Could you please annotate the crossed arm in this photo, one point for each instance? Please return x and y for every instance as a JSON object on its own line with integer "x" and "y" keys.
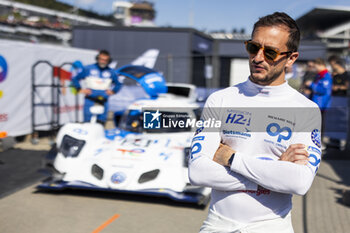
{"x": 293, "y": 173}
{"x": 289, "y": 174}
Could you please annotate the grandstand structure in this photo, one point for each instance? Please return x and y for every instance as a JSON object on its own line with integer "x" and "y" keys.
{"x": 331, "y": 25}
{"x": 134, "y": 13}
{"x": 37, "y": 24}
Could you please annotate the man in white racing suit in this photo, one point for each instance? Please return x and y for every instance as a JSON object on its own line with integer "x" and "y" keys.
{"x": 268, "y": 145}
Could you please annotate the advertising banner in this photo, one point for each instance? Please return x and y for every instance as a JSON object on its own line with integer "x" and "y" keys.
{"x": 16, "y": 62}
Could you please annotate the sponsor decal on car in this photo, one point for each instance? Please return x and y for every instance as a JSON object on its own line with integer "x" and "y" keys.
{"x": 100, "y": 150}
{"x": 136, "y": 151}
{"x": 80, "y": 131}
{"x": 118, "y": 177}
{"x": 165, "y": 155}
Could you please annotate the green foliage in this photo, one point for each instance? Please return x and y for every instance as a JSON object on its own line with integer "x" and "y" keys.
{"x": 51, "y": 4}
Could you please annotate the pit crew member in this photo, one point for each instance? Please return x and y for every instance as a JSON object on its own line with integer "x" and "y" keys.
{"x": 100, "y": 83}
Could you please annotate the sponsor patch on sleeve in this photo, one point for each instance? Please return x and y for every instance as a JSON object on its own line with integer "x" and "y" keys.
{"x": 313, "y": 149}
{"x": 198, "y": 138}
{"x": 316, "y": 137}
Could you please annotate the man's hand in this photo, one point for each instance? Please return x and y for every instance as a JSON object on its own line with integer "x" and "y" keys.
{"x": 110, "y": 92}
{"x": 296, "y": 153}
{"x": 223, "y": 154}
{"x": 307, "y": 92}
{"x": 85, "y": 91}
{"x": 308, "y": 83}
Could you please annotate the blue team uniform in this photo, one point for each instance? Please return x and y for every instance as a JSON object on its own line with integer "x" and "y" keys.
{"x": 322, "y": 89}
{"x": 98, "y": 80}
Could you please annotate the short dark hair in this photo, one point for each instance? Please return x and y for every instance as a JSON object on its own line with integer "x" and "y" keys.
{"x": 104, "y": 52}
{"x": 282, "y": 19}
{"x": 320, "y": 61}
{"x": 337, "y": 60}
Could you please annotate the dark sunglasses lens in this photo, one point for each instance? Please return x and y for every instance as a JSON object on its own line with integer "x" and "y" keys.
{"x": 270, "y": 54}
{"x": 252, "y": 48}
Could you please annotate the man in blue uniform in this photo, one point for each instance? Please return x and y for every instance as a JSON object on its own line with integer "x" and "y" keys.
{"x": 321, "y": 87}
{"x": 321, "y": 90}
{"x": 100, "y": 83}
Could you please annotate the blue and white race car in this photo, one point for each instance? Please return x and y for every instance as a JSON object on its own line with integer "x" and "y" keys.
{"x": 138, "y": 157}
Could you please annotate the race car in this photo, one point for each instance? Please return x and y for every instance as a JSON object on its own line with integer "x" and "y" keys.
{"x": 137, "y": 157}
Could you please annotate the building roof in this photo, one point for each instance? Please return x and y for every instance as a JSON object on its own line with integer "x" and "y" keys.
{"x": 230, "y": 36}
{"x": 142, "y": 6}
{"x": 323, "y": 18}
{"x": 41, "y": 10}
{"x": 144, "y": 29}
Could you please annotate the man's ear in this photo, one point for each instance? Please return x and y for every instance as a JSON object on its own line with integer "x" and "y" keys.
{"x": 292, "y": 58}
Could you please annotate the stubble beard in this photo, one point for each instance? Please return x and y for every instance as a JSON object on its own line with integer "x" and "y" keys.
{"x": 102, "y": 66}
{"x": 268, "y": 79}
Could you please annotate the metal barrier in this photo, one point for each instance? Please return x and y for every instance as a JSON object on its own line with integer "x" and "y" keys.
{"x": 52, "y": 106}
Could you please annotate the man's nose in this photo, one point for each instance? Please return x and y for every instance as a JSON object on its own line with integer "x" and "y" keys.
{"x": 259, "y": 57}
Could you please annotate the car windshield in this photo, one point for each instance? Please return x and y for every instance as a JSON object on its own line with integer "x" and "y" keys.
{"x": 136, "y": 71}
{"x": 132, "y": 121}
{"x": 169, "y": 122}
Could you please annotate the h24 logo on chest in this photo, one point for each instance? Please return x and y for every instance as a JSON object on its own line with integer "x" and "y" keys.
{"x": 236, "y": 118}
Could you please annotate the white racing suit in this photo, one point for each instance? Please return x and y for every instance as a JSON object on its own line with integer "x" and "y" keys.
{"x": 259, "y": 123}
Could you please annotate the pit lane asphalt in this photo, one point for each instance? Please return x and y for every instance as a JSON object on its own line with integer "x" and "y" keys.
{"x": 26, "y": 209}
{"x": 18, "y": 169}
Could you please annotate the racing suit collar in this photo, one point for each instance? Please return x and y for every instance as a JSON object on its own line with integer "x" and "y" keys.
{"x": 268, "y": 91}
{"x": 322, "y": 73}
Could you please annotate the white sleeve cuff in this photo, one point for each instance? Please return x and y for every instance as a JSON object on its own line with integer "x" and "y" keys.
{"x": 236, "y": 164}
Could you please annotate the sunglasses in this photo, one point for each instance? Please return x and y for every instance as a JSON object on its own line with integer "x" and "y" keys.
{"x": 269, "y": 53}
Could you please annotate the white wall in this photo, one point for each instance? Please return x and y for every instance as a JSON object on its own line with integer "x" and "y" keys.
{"x": 239, "y": 71}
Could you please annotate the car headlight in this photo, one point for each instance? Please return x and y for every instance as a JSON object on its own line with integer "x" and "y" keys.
{"x": 148, "y": 176}
{"x": 71, "y": 147}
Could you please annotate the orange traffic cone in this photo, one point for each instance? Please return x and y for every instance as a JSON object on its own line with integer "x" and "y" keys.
{"x": 3, "y": 134}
